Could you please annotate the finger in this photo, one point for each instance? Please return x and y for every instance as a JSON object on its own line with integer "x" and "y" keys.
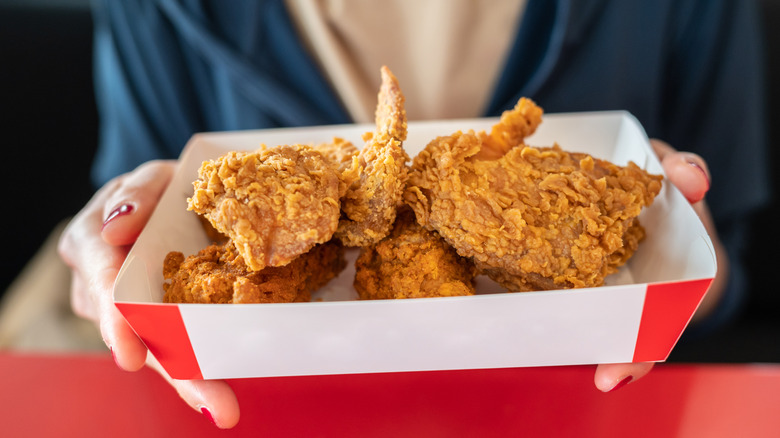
{"x": 92, "y": 263}
{"x": 96, "y": 263}
{"x": 610, "y": 377}
{"x": 687, "y": 171}
{"x": 661, "y": 148}
{"x": 214, "y": 399}
{"x": 689, "y": 174}
{"x": 80, "y": 300}
{"x": 129, "y": 351}
{"x": 95, "y": 267}
{"x": 127, "y": 208}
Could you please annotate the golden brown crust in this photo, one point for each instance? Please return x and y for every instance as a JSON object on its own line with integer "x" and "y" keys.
{"x": 275, "y": 204}
{"x": 533, "y": 218}
{"x": 343, "y": 156}
{"x": 530, "y": 218}
{"x": 368, "y": 208}
{"x": 390, "y": 114}
{"x": 412, "y": 262}
{"x": 340, "y": 152}
{"x": 218, "y": 274}
{"x": 213, "y": 235}
{"x": 510, "y": 131}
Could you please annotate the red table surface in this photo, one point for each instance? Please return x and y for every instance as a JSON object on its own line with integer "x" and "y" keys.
{"x": 86, "y": 395}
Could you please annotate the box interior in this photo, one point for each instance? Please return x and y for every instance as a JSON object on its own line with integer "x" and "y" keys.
{"x": 677, "y": 246}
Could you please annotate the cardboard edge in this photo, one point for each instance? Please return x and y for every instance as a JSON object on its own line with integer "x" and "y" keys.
{"x": 162, "y": 329}
{"x": 667, "y": 310}
{"x": 652, "y": 162}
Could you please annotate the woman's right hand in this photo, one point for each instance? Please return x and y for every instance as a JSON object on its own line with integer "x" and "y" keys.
{"x": 95, "y": 244}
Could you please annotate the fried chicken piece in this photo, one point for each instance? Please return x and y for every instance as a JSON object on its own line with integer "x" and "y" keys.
{"x": 218, "y": 274}
{"x": 369, "y": 206}
{"x": 535, "y": 218}
{"x": 275, "y": 204}
{"x": 512, "y": 128}
{"x": 340, "y": 152}
{"x": 343, "y": 156}
{"x": 534, "y": 281}
{"x": 213, "y": 235}
{"x": 412, "y": 262}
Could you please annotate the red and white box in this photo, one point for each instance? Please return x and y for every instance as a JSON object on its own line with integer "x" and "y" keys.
{"x": 637, "y": 316}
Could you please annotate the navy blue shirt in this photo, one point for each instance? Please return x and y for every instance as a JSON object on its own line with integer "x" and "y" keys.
{"x": 691, "y": 71}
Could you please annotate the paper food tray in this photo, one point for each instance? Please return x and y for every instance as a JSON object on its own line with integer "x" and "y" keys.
{"x": 637, "y": 316}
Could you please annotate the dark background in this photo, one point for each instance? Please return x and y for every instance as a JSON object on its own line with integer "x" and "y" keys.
{"x": 49, "y": 134}
{"x": 49, "y": 121}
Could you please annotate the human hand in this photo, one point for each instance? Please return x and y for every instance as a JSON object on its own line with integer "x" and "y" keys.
{"x": 95, "y": 244}
{"x": 690, "y": 174}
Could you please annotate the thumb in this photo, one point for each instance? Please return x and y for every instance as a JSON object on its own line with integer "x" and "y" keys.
{"x": 686, "y": 170}
{"x": 128, "y": 208}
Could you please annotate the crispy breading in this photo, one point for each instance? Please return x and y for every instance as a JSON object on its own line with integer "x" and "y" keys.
{"x": 369, "y": 206}
{"x": 390, "y": 115}
{"x": 534, "y": 218}
{"x": 274, "y": 204}
{"x": 343, "y": 156}
{"x": 340, "y": 152}
{"x": 412, "y": 262}
{"x": 218, "y": 274}
{"x": 513, "y": 126}
{"x": 212, "y": 233}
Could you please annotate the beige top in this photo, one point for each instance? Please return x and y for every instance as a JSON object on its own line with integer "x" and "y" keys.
{"x": 446, "y": 54}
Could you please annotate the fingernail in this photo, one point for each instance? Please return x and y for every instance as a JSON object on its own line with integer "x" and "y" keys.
{"x": 113, "y": 355}
{"x": 119, "y": 211}
{"x": 700, "y": 169}
{"x": 206, "y": 413}
{"x": 621, "y": 383}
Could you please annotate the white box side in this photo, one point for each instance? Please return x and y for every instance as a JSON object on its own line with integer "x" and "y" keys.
{"x": 594, "y": 325}
{"x": 489, "y": 331}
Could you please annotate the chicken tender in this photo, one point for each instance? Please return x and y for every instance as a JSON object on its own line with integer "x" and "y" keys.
{"x": 533, "y": 218}
{"x": 412, "y": 262}
{"x": 218, "y": 274}
{"x": 274, "y": 204}
{"x": 369, "y": 206}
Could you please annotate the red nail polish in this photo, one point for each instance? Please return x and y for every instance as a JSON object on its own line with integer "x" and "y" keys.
{"x": 622, "y": 383}
{"x": 113, "y": 355}
{"x": 206, "y": 413}
{"x": 119, "y": 211}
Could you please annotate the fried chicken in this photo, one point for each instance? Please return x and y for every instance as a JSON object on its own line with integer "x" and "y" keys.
{"x": 532, "y": 218}
{"x": 218, "y": 274}
{"x": 512, "y": 128}
{"x": 369, "y": 206}
{"x": 343, "y": 157}
{"x": 339, "y": 152}
{"x": 412, "y": 262}
{"x": 275, "y": 204}
{"x": 213, "y": 235}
